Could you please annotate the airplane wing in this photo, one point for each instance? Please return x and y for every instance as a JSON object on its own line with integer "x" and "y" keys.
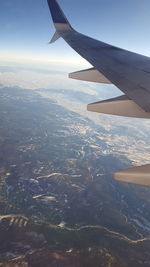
{"x": 130, "y": 72}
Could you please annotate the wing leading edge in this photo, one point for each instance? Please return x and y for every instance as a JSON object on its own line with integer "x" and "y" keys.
{"x": 130, "y": 72}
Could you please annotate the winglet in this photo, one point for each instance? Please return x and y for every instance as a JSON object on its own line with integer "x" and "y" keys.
{"x": 57, "y": 14}
{"x": 61, "y": 23}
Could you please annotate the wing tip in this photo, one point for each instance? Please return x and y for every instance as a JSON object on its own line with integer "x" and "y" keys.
{"x": 56, "y": 12}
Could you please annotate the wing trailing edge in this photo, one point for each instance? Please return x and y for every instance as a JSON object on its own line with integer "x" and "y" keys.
{"x": 137, "y": 175}
{"x": 89, "y": 75}
{"x": 120, "y": 106}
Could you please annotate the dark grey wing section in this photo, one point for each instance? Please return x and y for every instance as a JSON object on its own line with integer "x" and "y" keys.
{"x": 129, "y": 71}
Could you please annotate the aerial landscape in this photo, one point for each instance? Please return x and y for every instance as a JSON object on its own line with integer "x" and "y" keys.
{"x": 58, "y": 198}
{"x": 60, "y": 205}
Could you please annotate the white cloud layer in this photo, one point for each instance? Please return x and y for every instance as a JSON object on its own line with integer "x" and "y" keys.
{"x": 49, "y": 80}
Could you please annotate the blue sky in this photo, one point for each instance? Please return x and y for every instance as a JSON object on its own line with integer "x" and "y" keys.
{"x": 26, "y": 27}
